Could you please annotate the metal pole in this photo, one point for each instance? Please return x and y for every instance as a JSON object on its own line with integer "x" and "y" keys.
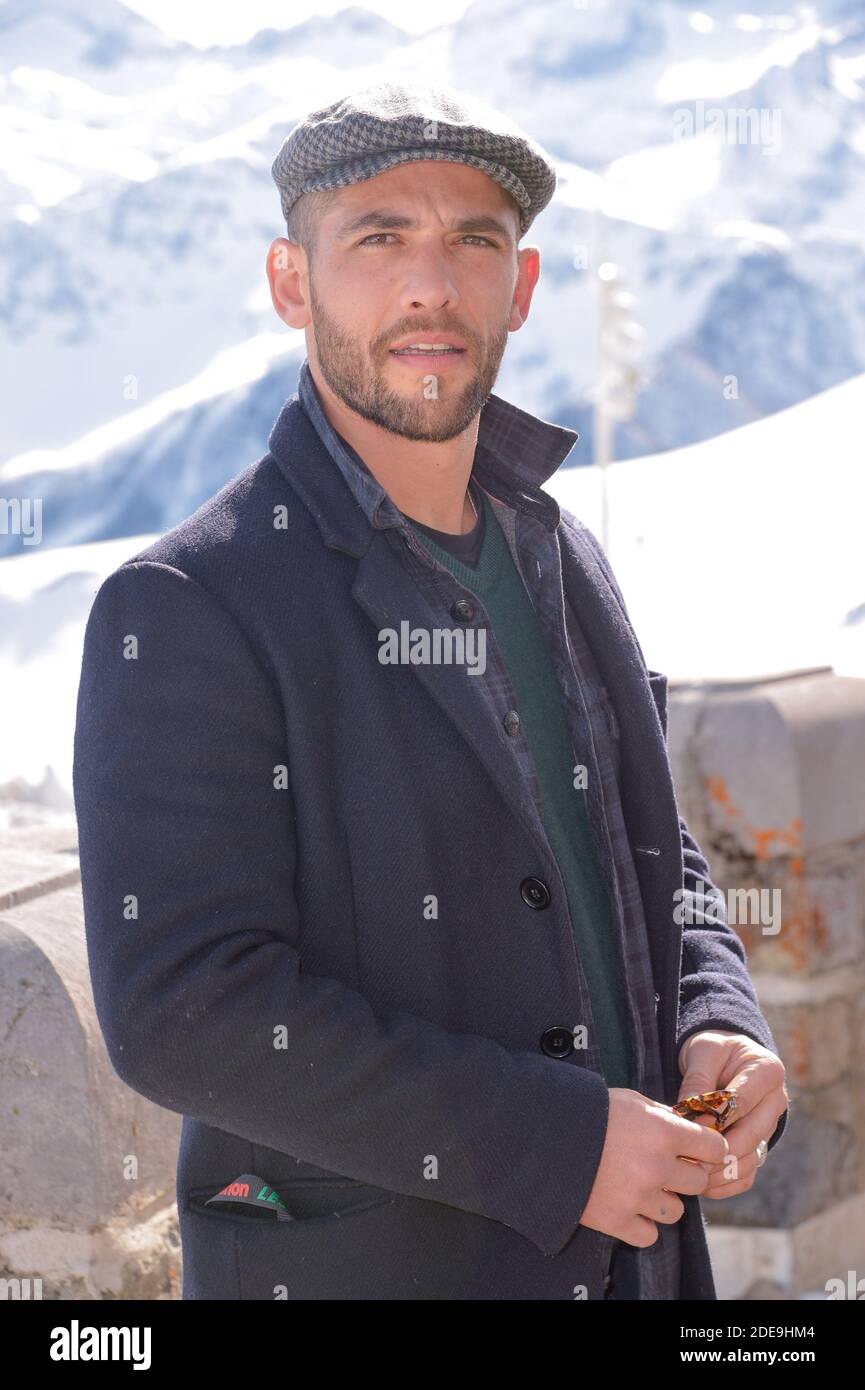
{"x": 602, "y": 424}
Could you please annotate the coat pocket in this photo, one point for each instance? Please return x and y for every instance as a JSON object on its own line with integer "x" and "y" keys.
{"x": 303, "y": 1199}
{"x": 342, "y": 1241}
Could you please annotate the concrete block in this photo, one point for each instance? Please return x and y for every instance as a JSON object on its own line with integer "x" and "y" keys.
{"x": 774, "y": 761}
{"x": 87, "y": 1192}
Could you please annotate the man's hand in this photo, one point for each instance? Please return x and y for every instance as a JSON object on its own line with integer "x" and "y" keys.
{"x": 719, "y": 1059}
{"x": 643, "y": 1165}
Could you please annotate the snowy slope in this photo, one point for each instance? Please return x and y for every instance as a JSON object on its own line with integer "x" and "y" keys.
{"x": 139, "y": 206}
{"x": 737, "y": 557}
{"x": 742, "y": 555}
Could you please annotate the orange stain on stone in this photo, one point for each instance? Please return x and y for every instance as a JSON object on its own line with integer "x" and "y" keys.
{"x": 762, "y": 841}
{"x": 717, "y": 789}
{"x": 803, "y": 928}
{"x": 803, "y": 933}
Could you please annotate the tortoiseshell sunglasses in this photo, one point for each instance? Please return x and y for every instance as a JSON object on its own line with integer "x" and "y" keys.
{"x": 720, "y": 1104}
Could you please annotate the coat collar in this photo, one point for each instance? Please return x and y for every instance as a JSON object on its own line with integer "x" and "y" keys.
{"x": 516, "y": 453}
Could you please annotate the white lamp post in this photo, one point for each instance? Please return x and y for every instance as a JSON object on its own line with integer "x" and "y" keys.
{"x": 620, "y": 342}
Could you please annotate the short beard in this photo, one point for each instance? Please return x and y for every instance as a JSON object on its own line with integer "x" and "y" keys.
{"x": 353, "y": 377}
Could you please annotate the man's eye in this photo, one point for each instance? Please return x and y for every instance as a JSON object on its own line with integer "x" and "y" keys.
{"x": 374, "y": 238}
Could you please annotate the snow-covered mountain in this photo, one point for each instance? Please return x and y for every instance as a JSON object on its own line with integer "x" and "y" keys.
{"x": 737, "y": 557}
{"x": 149, "y": 470}
{"x": 95, "y": 37}
{"x": 138, "y": 205}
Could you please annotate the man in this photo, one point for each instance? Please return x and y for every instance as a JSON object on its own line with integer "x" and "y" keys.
{"x": 379, "y": 844}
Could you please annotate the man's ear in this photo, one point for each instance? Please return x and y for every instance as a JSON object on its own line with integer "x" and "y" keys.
{"x": 287, "y": 275}
{"x": 528, "y": 274}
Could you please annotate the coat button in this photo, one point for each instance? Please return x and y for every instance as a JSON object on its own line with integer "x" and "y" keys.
{"x": 557, "y": 1042}
{"x": 511, "y": 722}
{"x": 535, "y": 892}
{"x": 462, "y": 610}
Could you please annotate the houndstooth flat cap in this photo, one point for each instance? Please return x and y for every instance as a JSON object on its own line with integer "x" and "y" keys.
{"x": 391, "y": 123}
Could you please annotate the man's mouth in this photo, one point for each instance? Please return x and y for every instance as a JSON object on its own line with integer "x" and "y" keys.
{"x": 427, "y": 350}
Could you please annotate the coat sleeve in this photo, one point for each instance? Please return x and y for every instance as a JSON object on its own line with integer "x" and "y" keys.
{"x": 715, "y": 987}
{"x": 188, "y": 854}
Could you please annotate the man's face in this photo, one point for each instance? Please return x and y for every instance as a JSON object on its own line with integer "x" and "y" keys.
{"x": 424, "y": 249}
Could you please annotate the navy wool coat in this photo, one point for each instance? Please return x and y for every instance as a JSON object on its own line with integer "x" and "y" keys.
{"x": 264, "y": 810}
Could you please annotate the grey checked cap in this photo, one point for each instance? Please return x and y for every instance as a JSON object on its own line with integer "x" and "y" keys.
{"x": 392, "y": 123}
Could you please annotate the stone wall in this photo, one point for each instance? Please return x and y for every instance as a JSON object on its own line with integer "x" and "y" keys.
{"x": 87, "y": 1194}
{"x": 770, "y": 776}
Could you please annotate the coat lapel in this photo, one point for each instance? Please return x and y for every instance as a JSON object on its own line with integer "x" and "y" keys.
{"x": 389, "y": 594}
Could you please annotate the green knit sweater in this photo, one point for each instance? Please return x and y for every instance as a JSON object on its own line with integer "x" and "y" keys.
{"x": 518, "y": 634}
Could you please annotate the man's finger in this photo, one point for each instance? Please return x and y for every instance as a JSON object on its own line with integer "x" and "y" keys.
{"x": 696, "y": 1081}
{"x": 746, "y": 1131}
{"x": 733, "y": 1189}
{"x": 698, "y": 1142}
{"x": 724, "y": 1176}
{"x": 752, "y": 1082}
